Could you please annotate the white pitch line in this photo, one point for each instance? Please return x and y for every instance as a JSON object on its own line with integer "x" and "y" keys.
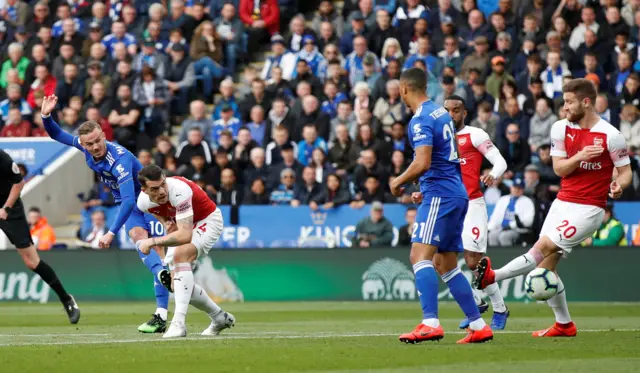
{"x": 262, "y": 336}
{"x": 56, "y": 335}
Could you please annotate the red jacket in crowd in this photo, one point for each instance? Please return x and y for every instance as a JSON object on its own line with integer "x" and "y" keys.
{"x": 21, "y": 130}
{"x": 269, "y": 13}
{"x": 49, "y": 88}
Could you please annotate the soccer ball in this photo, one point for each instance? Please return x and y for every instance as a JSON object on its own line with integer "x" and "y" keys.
{"x": 541, "y": 284}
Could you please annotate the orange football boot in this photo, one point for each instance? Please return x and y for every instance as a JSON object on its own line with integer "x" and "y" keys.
{"x": 486, "y": 276}
{"x": 558, "y": 330}
{"x": 423, "y": 333}
{"x": 477, "y": 336}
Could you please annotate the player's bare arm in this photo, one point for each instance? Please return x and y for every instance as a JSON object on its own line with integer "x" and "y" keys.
{"x": 181, "y": 236}
{"x": 169, "y": 224}
{"x": 420, "y": 164}
{"x": 565, "y": 166}
{"x": 48, "y": 104}
{"x": 621, "y": 182}
{"x": 14, "y": 194}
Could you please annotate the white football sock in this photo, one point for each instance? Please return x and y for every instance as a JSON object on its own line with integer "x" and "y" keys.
{"x": 434, "y": 323}
{"x": 477, "y": 295}
{"x": 183, "y": 288}
{"x": 558, "y": 304}
{"x": 477, "y": 324}
{"x": 162, "y": 312}
{"x": 520, "y": 265}
{"x": 201, "y": 300}
{"x": 497, "y": 301}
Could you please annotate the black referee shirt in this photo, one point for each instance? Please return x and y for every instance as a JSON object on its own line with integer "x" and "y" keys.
{"x": 9, "y": 175}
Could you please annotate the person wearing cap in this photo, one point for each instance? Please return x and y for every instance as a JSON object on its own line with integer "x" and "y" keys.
{"x": 479, "y": 58}
{"x": 149, "y": 56}
{"x": 498, "y": 76}
{"x": 309, "y": 52}
{"x": 512, "y": 217}
{"x": 358, "y": 28}
{"x": 374, "y": 230}
{"x": 369, "y": 74}
{"x": 280, "y": 57}
{"x": 610, "y": 233}
{"x": 539, "y": 192}
{"x": 448, "y": 89}
{"x": 227, "y": 122}
{"x": 231, "y": 30}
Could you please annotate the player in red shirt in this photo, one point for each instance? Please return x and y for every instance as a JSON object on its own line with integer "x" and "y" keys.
{"x": 587, "y": 153}
{"x": 193, "y": 224}
{"x": 474, "y": 145}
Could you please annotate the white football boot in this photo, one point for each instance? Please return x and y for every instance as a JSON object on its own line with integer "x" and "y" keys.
{"x": 222, "y": 321}
{"x": 177, "y": 329}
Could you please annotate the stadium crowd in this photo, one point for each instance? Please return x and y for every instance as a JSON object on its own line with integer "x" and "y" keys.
{"x": 320, "y": 121}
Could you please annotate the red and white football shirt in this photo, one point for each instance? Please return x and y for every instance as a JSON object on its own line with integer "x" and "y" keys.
{"x": 473, "y": 145}
{"x": 589, "y": 183}
{"x": 186, "y": 199}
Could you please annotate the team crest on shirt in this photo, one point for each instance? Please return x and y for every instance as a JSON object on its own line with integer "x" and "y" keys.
{"x": 462, "y": 141}
{"x": 598, "y": 141}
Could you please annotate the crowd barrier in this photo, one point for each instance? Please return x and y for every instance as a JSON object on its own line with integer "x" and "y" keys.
{"x": 303, "y": 275}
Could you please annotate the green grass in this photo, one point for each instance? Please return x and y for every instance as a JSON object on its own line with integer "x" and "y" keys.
{"x": 312, "y": 337}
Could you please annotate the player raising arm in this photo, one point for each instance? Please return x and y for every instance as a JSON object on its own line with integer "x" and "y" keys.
{"x": 117, "y": 168}
{"x": 585, "y": 150}
{"x": 474, "y": 145}
{"x": 438, "y": 226}
{"x": 198, "y": 225}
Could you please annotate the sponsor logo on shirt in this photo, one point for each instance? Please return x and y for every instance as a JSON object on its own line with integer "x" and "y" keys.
{"x": 590, "y": 166}
{"x": 121, "y": 172}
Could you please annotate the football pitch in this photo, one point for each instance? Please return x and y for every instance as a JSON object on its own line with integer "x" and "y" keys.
{"x": 312, "y": 337}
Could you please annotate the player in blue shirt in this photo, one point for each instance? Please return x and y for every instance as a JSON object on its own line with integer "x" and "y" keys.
{"x": 437, "y": 231}
{"x": 118, "y": 169}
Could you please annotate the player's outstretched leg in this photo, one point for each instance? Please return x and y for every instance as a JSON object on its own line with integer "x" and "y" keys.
{"x": 33, "y": 262}
{"x": 158, "y": 321}
{"x": 427, "y": 284}
{"x": 220, "y": 320}
{"x": 516, "y": 267}
{"x": 563, "y": 327}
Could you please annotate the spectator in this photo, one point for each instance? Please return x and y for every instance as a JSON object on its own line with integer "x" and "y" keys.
{"x": 345, "y": 116}
{"x": 545, "y": 166}
{"x": 409, "y": 40}
{"x": 70, "y": 120}
{"x": 372, "y": 192}
{"x": 257, "y": 193}
{"x": 94, "y": 68}
{"x": 151, "y": 94}
{"x": 391, "y": 54}
{"x": 259, "y": 127}
{"x": 374, "y": 230}
{"x": 512, "y": 217}
{"x": 67, "y": 56}
{"x": 311, "y": 55}
{"x": 343, "y": 153}
{"x": 449, "y": 89}
{"x": 321, "y": 165}
{"x": 280, "y": 58}
{"x": 198, "y": 119}
{"x": 383, "y": 32}
{"x": 257, "y": 169}
{"x": 541, "y": 124}
{"x": 309, "y": 189}
{"x": 261, "y": 20}
{"x": 326, "y": 37}
{"x": 195, "y": 144}
{"x": 620, "y": 75}
{"x": 588, "y": 17}
{"x": 407, "y": 14}
{"x": 133, "y": 23}
{"x": 399, "y": 140}
{"x": 200, "y": 170}
{"x": 164, "y": 149}
{"x": 512, "y": 115}
{"x": 504, "y": 49}
{"x": 630, "y": 125}
{"x": 42, "y": 233}
{"x": 227, "y": 122}
{"x": 486, "y": 120}
{"x": 358, "y": 30}
{"x": 178, "y": 19}
{"x": 422, "y": 53}
{"x": 93, "y": 114}
{"x": 124, "y": 118}
{"x": 70, "y": 85}
{"x": 16, "y": 126}
{"x": 333, "y": 98}
{"x": 231, "y": 30}
{"x": 288, "y": 161}
{"x": 369, "y": 73}
{"x": 539, "y": 193}
{"x": 354, "y": 62}
{"x": 516, "y": 151}
{"x": 310, "y": 142}
{"x": 333, "y": 195}
{"x": 367, "y": 141}
{"x": 553, "y": 75}
{"x": 41, "y": 17}
{"x": 98, "y": 99}
{"x": 279, "y": 87}
{"x": 498, "y": 76}
{"x": 297, "y": 30}
{"x": 44, "y": 82}
{"x": 243, "y": 147}
{"x": 100, "y": 16}
{"x": 398, "y": 163}
{"x": 602, "y": 108}
{"x": 479, "y": 58}
{"x": 14, "y": 100}
{"x": 274, "y": 148}
{"x": 406, "y": 231}
{"x": 98, "y": 229}
{"x": 610, "y": 233}
{"x": 256, "y": 97}
{"x": 631, "y": 91}
{"x": 145, "y": 157}
{"x": 327, "y": 13}
{"x": 449, "y": 55}
{"x": 206, "y": 51}
{"x": 118, "y": 34}
{"x": 368, "y": 166}
{"x": 123, "y": 75}
{"x": 69, "y": 35}
{"x": 227, "y": 98}
{"x": 229, "y": 193}
{"x": 180, "y": 78}
{"x": 535, "y": 92}
{"x": 283, "y": 194}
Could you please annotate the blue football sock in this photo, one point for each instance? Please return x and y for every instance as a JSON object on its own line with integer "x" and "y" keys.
{"x": 154, "y": 264}
{"x": 462, "y": 293}
{"x": 427, "y": 285}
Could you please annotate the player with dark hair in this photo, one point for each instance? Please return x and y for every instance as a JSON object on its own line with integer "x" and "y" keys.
{"x": 474, "y": 145}
{"x": 193, "y": 224}
{"x": 13, "y": 222}
{"x": 443, "y": 205}
{"x": 117, "y": 168}
{"x": 586, "y": 151}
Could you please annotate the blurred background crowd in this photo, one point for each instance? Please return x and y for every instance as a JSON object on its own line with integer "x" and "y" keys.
{"x": 295, "y": 103}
